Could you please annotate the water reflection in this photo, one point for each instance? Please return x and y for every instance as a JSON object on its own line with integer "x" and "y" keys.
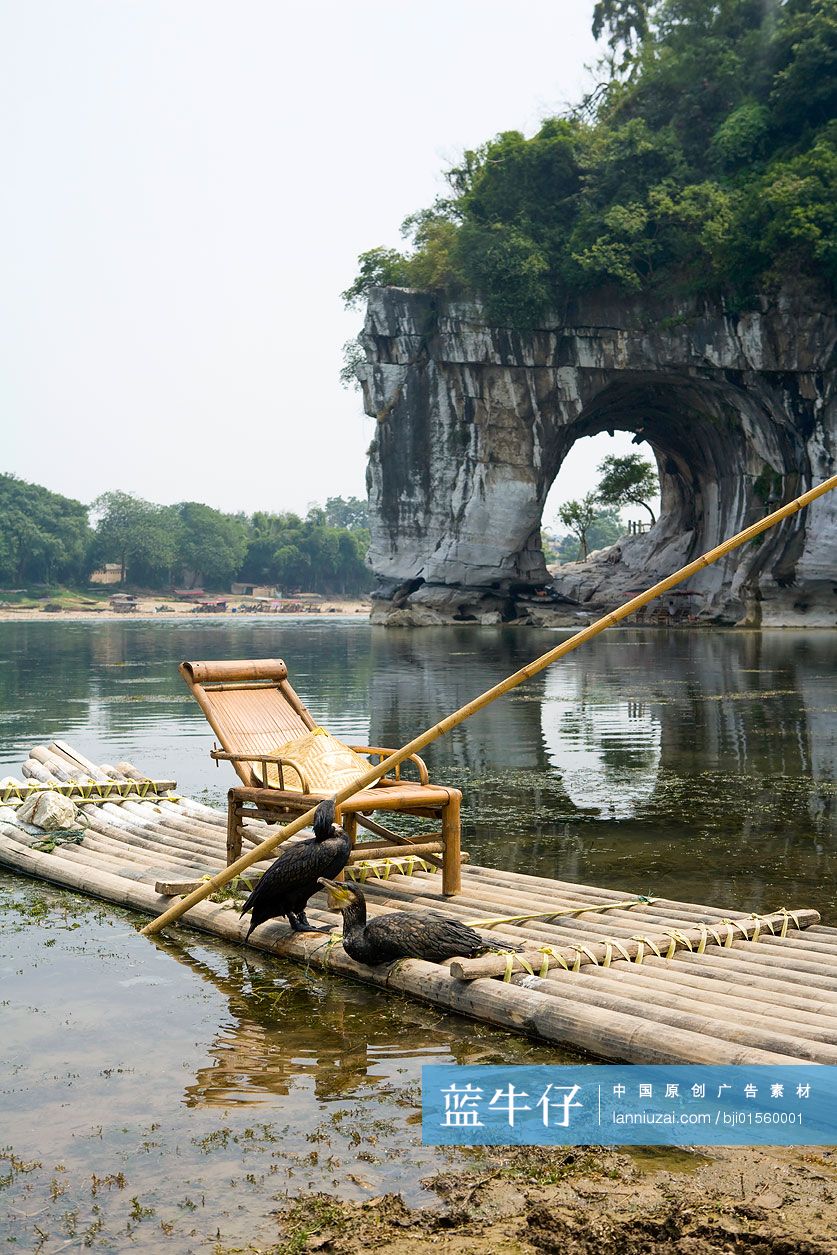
{"x": 284, "y": 1027}
{"x": 605, "y": 747}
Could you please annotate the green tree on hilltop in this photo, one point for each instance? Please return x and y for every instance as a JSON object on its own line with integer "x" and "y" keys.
{"x": 349, "y": 512}
{"x": 706, "y": 162}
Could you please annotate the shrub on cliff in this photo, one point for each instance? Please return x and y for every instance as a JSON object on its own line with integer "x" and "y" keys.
{"x": 707, "y": 161}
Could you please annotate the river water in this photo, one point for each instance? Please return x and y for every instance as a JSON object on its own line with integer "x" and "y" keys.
{"x": 179, "y": 1091}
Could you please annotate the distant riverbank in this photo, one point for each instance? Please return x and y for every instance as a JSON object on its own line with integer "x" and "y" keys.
{"x": 167, "y": 608}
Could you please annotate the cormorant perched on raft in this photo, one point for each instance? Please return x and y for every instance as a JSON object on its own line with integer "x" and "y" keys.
{"x": 402, "y": 934}
{"x": 291, "y": 880}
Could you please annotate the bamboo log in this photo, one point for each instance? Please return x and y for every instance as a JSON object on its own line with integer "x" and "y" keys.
{"x": 747, "y": 966}
{"x": 609, "y": 1033}
{"x": 148, "y": 817}
{"x": 774, "y": 959}
{"x": 396, "y": 892}
{"x": 69, "y": 752}
{"x": 577, "y": 986}
{"x": 735, "y": 969}
{"x": 101, "y": 862}
{"x": 574, "y": 898}
{"x": 189, "y": 807}
{"x": 687, "y": 995}
{"x": 34, "y": 771}
{"x": 136, "y": 834}
{"x": 148, "y": 856}
{"x": 62, "y": 767}
{"x": 590, "y": 927}
{"x": 379, "y": 850}
{"x": 115, "y": 865}
{"x": 541, "y": 886}
{"x": 603, "y": 951}
{"x": 180, "y": 830}
{"x": 133, "y": 852}
{"x": 470, "y": 708}
{"x": 642, "y": 916}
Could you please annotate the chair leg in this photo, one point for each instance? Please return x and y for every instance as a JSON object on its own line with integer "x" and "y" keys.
{"x": 349, "y": 825}
{"x": 233, "y": 834}
{"x": 452, "y": 855}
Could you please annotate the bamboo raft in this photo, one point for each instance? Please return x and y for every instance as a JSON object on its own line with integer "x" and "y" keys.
{"x": 607, "y": 972}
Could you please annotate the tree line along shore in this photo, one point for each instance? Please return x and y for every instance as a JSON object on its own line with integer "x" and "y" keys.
{"x": 49, "y": 542}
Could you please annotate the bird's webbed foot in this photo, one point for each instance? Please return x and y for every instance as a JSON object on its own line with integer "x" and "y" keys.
{"x": 301, "y": 924}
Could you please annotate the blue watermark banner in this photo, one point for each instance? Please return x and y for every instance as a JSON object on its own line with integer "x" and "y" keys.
{"x": 629, "y": 1104}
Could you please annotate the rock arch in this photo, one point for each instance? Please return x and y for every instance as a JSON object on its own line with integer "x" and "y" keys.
{"x": 474, "y": 423}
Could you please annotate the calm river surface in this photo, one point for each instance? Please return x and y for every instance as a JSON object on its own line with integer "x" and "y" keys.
{"x": 176, "y": 1093}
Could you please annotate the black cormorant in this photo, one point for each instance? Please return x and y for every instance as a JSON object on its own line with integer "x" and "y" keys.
{"x": 402, "y": 934}
{"x": 291, "y": 880}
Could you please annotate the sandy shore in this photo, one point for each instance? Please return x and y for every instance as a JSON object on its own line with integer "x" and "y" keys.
{"x": 150, "y": 608}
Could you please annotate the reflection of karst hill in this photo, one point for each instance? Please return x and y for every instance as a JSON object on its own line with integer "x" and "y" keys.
{"x": 413, "y": 685}
{"x": 734, "y": 703}
{"x": 287, "y": 1026}
{"x": 622, "y": 711}
{"x": 642, "y": 759}
{"x": 742, "y": 701}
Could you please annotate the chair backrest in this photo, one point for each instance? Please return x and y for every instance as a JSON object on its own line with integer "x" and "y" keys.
{"x": 249, "y": 705}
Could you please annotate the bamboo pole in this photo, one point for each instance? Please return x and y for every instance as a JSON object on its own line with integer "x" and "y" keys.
{"x": 498, "y": 690}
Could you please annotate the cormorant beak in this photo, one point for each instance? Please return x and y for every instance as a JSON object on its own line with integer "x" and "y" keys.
{"x": 338, "y": 896}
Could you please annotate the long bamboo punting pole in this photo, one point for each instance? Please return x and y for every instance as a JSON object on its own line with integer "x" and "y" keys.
{"x": 498, "y": 690}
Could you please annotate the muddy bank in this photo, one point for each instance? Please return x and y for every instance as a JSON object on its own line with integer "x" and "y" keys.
{"x": 591, "y": 1202}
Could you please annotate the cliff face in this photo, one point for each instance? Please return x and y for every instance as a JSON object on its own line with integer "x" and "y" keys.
{"x": 475, "y": 421}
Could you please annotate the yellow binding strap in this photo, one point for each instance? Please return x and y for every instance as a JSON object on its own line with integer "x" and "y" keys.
{"x": 548, "y": 952}
{"x": 565, "y": 911}
{"x": 510, "y": 956}
{"x": 786, "y": 917}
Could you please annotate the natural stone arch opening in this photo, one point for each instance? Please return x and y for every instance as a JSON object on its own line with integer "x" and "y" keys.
{"x": 579, "y": 474}
{"x": 697, "y": 433}
{"x": 702, "y": 435}
{"x": 474, "y": 423}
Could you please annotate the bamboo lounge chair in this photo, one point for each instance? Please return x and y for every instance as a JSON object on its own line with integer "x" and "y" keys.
{"x": 253, "y": 710}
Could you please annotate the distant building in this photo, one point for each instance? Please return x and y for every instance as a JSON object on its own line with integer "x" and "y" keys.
{"x": 255, "y": 590}
{"x": 110, "y": 573}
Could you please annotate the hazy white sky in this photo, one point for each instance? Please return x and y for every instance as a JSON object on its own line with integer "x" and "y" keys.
{"x": 187, "y": 184}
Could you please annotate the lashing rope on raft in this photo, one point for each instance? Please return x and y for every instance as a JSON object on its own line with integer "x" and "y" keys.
{"x": 382, "y": 868}
{"x": 87, "y": 791}
{"x": 566, "y": 911}
{"x": 678, "y": 940}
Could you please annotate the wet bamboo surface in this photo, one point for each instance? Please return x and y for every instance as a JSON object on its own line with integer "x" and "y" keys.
{"x": 701, "y": 992}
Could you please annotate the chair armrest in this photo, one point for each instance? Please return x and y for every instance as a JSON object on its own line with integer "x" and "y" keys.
{"x": 264, "y": 759}
{"x": 424, "y": 777}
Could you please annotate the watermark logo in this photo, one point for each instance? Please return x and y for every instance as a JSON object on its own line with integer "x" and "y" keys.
{"x": 630, "y": 1105}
